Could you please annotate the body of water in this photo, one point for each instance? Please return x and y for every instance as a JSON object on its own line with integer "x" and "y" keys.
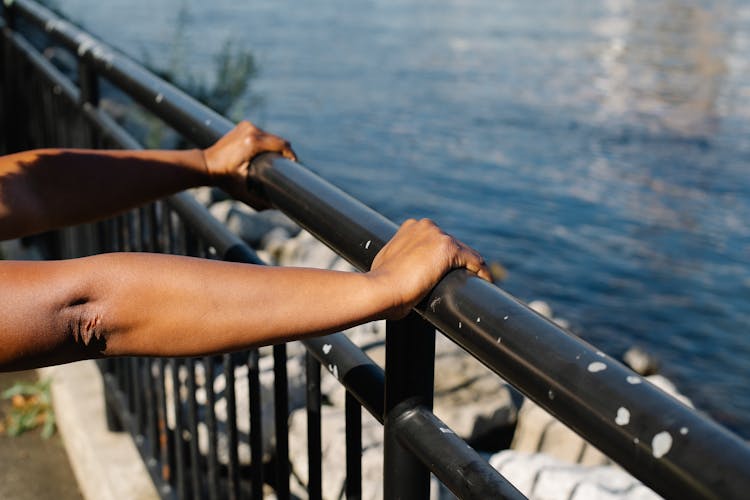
{"x": 599, "y": 150}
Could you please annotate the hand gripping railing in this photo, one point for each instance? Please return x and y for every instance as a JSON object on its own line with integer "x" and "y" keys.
{"x": 671, "y": 448}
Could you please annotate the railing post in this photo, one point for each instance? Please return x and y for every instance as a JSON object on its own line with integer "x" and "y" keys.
{"x": 281, "y": 416}
{"x": 410, "y": 366}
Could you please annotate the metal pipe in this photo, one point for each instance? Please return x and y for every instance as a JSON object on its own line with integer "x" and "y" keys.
{"x": 180, "y": 476}
{"x": 353, "y": 418}
{"x": 457, "y": 465}
{"x": 281, "y": 420}
{"x": 353, "y": 368}
{"x": 196, "y": 477}
{"x": 409, "y": 369}
{"x": 256, "y": 423}
{"x": 314, "y": 444}
{"x": 233, "y": 464}
{"x": 212, "y": 460}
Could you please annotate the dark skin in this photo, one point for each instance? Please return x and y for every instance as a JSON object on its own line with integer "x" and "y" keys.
{"x": 149, "y": 305}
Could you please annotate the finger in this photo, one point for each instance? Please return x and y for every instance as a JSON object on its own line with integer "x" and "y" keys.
{"x": 276, "y": 144}
{"x": 474, "y": 262}
{"x": 406, "y": 225}
{"x": 247, "y": 127}
{"x": 289, "y": 153}
{"x": 272, "y": 143}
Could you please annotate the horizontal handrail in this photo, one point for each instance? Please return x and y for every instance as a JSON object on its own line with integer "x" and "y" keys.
{"x": 574, "y": 381}
{"x": 671, "y": 448}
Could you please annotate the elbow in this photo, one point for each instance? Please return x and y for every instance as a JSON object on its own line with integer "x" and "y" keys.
{"x": 85, "y": 328}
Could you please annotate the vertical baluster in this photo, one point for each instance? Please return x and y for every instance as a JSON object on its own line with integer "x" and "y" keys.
{"x": 135, "y": 373}
{"x": 256, "y": 423}
{"x": 114, "y": 424}
{"x": 151, "y": 420}
{"x": 124, "y": 385}
{"x": 157, "y": 212}
{"x": 214, "y": 491}
{"x": 177, "y": 439}
{"x": 410, "y": 366}
{"x": 101, "y": 237}
{"x": 161, "y": 410}
{"x": 196, "y": 474}
{"x": 281, "y": 414}
{"x": 314, "y": 441}
{"x": 353, "y": 448}
{"x": 145, "y": 242}
{"x": 231, "y": 429}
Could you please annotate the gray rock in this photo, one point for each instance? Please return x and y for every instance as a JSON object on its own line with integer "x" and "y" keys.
{"x": 254, "y": 226}
{"x": 538, "y": 431}
{"x": 221, "y": 210}
{"x": 204, "y": 195}
{"x": 305, "y": 250}
{"x": 542, "y": 477}
{"x": 477, "y": 404}
{"x": 640, "y": 361}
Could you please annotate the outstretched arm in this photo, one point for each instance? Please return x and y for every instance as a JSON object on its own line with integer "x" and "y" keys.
{"x": 159, "y": 305}
{"x": 49, "y": 188}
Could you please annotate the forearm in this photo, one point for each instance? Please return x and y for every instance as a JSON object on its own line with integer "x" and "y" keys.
{"x": 193, "y": 307}
{"x": 153, "y": 305}
{"x": 48, "y": 188}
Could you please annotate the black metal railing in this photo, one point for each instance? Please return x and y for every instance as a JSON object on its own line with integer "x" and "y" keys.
{"x": 155, "y": 400}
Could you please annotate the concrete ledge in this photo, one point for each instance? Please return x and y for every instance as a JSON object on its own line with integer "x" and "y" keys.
{"x": 107, "y": 464}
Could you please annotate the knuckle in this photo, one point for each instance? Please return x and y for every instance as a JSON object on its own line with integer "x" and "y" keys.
{"x": 448, "y": 243}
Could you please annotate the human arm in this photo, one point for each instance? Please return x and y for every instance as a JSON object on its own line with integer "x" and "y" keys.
{"x": 158, "y": 305}
{"x": 49, "y": 188}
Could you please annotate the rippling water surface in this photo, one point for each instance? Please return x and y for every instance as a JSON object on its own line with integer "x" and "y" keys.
{"x": 599, "y": 150}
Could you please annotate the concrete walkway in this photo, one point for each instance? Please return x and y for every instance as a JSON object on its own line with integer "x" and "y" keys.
{"x": 106, "y": 464}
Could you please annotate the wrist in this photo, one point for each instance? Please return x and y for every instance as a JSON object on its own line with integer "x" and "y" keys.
{"x": 204, "y": 169}
{"x": 384, "y": 296}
